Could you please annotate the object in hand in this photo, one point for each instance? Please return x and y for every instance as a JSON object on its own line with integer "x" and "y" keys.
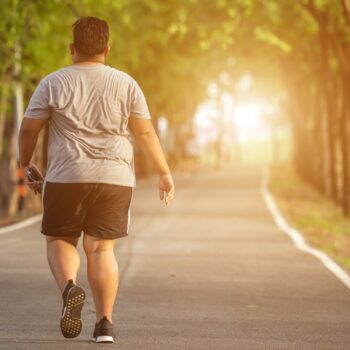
{"x": 34, "y": 176}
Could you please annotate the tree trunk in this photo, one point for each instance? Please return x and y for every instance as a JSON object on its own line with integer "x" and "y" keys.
{"x": 4, "y": 96}
{"x": 345, "y": 146}
{"x": 325, "y": 78}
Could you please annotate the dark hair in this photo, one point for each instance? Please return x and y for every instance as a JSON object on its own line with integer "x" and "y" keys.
{"x": 90, "y": 35}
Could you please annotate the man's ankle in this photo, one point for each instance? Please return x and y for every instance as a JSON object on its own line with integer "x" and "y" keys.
{"x": 98, "y": 319}
{"x": 69, "y": 285}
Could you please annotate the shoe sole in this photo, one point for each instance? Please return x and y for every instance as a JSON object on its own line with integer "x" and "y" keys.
{"x": 71, "y": 324}
{"x": 104, "y": 339}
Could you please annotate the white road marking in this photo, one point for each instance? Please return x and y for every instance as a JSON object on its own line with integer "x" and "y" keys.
{"x": 20, "y": 225}
{"x": 296, "y": 236}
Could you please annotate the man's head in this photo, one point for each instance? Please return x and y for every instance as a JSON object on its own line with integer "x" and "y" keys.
{"x": 90, "y": 38}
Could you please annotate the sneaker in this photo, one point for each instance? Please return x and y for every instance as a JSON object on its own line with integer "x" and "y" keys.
{"x": 103, "y": 332}
{"x": 73, "y": 301}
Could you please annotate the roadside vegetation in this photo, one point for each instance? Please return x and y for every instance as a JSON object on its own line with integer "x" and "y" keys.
{"x": 319, "y": 219}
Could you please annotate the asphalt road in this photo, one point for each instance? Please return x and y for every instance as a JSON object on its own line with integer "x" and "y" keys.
{"x": 211, "y": 271}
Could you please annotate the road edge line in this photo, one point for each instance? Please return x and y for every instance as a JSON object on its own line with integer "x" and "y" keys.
{"x": 295, "y": 235}
{"x": 22, "y": 224}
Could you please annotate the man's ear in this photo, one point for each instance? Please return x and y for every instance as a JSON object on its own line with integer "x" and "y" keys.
{"x": 106, "y": 50}
{"x": 71, "y": 48}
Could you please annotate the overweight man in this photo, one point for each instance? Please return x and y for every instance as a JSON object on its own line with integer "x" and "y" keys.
{"x": 92, "y": 110}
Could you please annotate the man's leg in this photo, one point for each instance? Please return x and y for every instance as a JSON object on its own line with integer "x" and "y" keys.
{"x": 102, "y": 273}
{"x": 63, "y": 258}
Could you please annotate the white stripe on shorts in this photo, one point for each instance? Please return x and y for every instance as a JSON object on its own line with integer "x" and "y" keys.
{"x": 129, "y": 211}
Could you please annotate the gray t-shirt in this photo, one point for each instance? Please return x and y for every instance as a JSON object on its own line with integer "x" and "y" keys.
{"x": 88, "y": 107}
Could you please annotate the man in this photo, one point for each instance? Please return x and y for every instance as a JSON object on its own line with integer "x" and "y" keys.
{"x": 92, "y": 110}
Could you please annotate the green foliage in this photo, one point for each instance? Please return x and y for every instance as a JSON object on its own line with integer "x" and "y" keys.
{"x": 173, "y": 48}
{"x": 270, "y": 38}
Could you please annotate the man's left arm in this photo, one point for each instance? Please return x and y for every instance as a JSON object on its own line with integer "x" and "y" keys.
{"x": 35, "y": 117}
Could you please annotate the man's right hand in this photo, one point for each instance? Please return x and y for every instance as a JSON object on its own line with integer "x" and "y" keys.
{"x": 166, "y": 188}
{"x": 148, "y": 141}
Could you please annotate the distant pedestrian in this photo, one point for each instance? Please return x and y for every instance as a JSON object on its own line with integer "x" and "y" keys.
{"x": 92, "y": 110}
{"x": 22, "y": 190}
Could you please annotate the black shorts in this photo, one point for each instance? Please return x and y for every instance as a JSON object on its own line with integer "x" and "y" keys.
{"x": 97, "y": 209}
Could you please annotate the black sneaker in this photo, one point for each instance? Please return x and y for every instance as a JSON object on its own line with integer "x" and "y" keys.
{"x": 73, "y": 301}
{"x": 103, "y": 332}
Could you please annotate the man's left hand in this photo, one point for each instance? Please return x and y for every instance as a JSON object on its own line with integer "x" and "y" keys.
{"x": 33, "y": 177}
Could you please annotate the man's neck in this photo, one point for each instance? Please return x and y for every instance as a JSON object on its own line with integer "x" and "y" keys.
{"x": 80, "y": 61}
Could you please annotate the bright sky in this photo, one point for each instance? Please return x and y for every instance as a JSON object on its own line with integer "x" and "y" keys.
{"x": 247, "y": 117}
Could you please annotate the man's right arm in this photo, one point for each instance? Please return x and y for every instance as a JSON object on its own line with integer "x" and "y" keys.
{"x": 147, "y": 138}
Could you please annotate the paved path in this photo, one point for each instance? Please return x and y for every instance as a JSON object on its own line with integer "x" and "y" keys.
{"x": 211, "y": 271}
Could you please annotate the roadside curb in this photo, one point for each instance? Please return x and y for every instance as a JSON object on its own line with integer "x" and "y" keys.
{"x": 22, "y": 224}
{"x": 295, "y": 235}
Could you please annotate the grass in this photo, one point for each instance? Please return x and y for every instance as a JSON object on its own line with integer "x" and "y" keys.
{"x": 317, "y": 217}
